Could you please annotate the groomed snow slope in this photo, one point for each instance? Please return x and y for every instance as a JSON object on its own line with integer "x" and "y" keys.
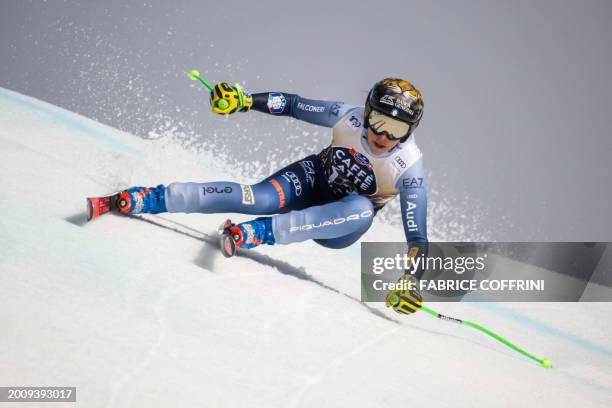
{"x": 146, "y": 313}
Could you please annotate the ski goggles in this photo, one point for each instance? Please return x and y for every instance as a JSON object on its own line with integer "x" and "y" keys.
{"x": 382, "y": 124}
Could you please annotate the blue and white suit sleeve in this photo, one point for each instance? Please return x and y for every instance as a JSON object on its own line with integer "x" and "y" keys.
{"x": 317, "y": 112}
{"x": 412, "y": 186}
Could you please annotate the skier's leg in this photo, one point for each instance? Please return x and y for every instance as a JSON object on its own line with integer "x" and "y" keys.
{"x": 335, "y": 225}
{"x": 220, "y": 197}
{"x": 290, "y": 188}
{"x": 340, "y": 242}
{"x": 287, "y": 189}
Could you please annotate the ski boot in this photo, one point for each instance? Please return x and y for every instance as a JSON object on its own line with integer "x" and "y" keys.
{"x": 135, "y": 200}
{"x": 245, "y": 235}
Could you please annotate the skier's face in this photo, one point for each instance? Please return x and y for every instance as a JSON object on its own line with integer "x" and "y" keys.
{"x": 380, "y": 144}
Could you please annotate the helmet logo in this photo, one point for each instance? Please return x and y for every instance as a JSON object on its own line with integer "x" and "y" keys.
{"x": 401, "y": 86}
{"x": 388, "y": 100}
{"x": 411, "y": 96}
{"x": 401, "y": 103}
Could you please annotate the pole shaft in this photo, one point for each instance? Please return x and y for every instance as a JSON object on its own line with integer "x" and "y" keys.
{"x": 484, "y": 330}
{"x": 203, "y": 82}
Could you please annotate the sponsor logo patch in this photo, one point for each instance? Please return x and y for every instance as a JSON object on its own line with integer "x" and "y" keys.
{"x": 353, "y": 122}
{"x": 247, "y": 195}
{"x": 280, "y": 192}
{"x": 138, "y": 199}
{"x": 335, "y": 221}
{"x": 351, "y": 172}
{"x": 388, "y": 100}
{"x": 297, "y": 184}
{"x": 360, "y": 158}
{"x": 405, "y": 105}
{"x": 276, "y": 102}
{"x": 452, "y": 319}
{"x": 399, "y": 164}
{"x": 410, "y": 222}
{"x": 250, "y": 234}
{"x": 216, "y": 190}
{"x": 310, "y": 108}
{"x": 413, "y": 182}
{"x": 309, "y": 172}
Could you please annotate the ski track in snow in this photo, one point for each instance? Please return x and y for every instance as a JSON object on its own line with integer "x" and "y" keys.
{"x": 159, "y": 308}
{"x": 283, "y": 323}
{"x": 118, "y": 385}
{"x": 282, "y": 266}
{"x": 336, "y": 363}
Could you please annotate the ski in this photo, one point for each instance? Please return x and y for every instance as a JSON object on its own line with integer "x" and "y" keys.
{"x": 97, "y": 206}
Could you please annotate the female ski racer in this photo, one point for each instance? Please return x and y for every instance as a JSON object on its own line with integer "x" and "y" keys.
{"x": 330, "y": 197}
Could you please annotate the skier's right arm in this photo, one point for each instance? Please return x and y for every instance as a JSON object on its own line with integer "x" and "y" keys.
{"x": 317, "y": 112}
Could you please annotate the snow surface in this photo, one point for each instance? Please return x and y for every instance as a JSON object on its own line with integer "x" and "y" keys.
{"x": 145, "y": 312}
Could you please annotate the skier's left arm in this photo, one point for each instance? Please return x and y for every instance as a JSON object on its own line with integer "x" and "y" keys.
{"x": 412, "y": 187}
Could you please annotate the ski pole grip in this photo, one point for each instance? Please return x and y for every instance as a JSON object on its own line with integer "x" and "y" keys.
{"x": 194, "y": 75}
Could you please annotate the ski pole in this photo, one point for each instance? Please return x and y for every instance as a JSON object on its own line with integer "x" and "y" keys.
{"x": 543, "y": 362}
{"x": 195, "y": 76}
